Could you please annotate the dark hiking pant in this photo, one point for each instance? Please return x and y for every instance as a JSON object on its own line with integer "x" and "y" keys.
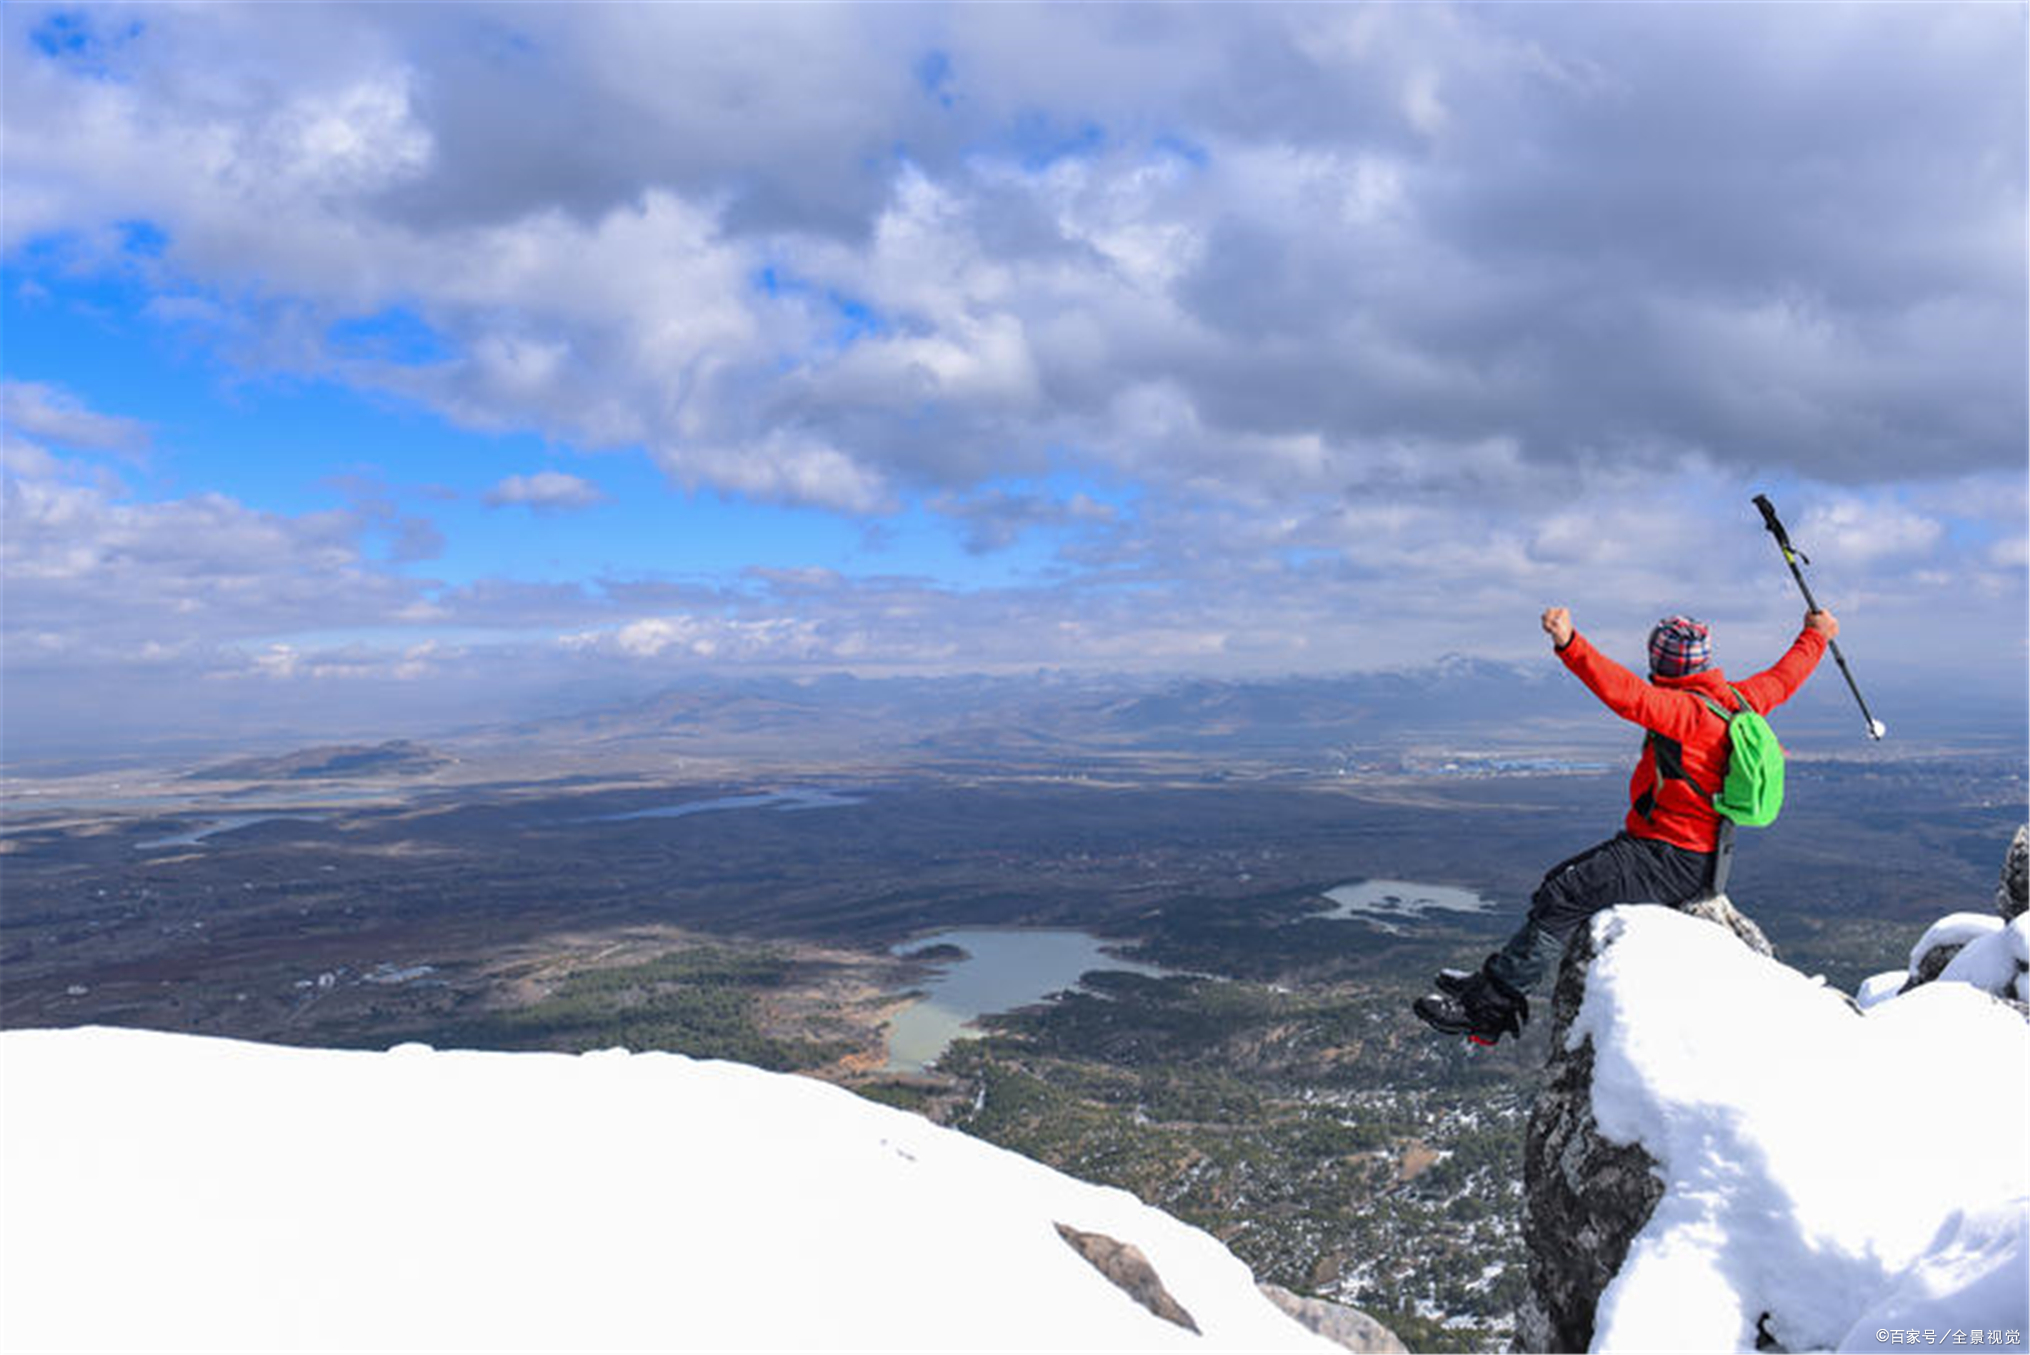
{"x": 1622, "y": 869}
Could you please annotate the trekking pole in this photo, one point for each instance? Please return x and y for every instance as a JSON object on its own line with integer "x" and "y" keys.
{"x": 1791, "y": 555}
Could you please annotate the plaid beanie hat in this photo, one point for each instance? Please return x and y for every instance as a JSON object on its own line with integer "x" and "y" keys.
{"x": 1679, "y": 645}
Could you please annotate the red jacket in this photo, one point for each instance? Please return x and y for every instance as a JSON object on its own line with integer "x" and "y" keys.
{"x": 1670, "y": 707}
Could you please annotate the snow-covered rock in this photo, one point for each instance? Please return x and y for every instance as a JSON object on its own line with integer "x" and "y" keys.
{"x": 1991, "y": 953}
{"x": 1942, "y": 942}
{"x": 1997, "y": 963}
{"x": 1585, "y": 1195}
{"x": 1880, "y": 987}
{"x": 164, "y": 1192}
{"x": 1777, "y": 1164}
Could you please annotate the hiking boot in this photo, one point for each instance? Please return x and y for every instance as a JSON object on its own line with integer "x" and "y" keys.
{"x": 1476, "y": 1005}
{"x": 1454, "y": 981}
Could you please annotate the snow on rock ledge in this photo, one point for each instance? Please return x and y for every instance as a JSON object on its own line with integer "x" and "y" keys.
{"x": 1775, "y": 1162}
{"x": 1990, "y": 952}
{"x": 179, "y": 1192}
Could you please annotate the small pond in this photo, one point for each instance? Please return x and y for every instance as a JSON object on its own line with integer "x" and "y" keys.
{"x": 1386, "y": 901}
{"x": 1001, "y": 970}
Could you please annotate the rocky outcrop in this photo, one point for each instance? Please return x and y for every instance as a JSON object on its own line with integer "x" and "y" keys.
{"x": 2012, "y": 892}
{"x": 1336, "y": 1322}
{"x": 1721, "y": 910}
{"x": 1975, "y": 948}
{"x": 1125, "y": 1265}
{"x": 1931, "y": 963}
{"x": 1584, "y": 1197}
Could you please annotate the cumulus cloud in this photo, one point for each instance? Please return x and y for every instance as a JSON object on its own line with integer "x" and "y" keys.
{"x": 102, "y": 574}
{"x": 776, "y": 640}
{"x": 995, "y": 519}
{"x": 1392, "y": 323}
{"x": 1600, "y": 237}
{"x": 1860, "y": 531}
{"x": 31, "y": 409}
{"x": 545, "y": 491}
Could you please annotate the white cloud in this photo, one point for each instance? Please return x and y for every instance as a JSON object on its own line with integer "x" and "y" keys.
{"x": 35, "y": 410}
{"x": 773, "y": 641}
{"x": 1322, "y": 230}
{"x": 781, "y": 466}
{"x": 1851, "y": 529}
{"x": 112, "y": 573}
{"x": 551, "y": 491}
{"x": 1389, "y": 321}
{"x": 997, "y": 518}
{"x": 22, "y": 457}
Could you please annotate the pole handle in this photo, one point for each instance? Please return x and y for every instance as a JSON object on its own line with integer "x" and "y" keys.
{"x": 1775, "y": 526}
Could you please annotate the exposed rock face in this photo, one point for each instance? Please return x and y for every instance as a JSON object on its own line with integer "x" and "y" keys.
{"x": 1719, "y": 908}
{"x": 1931, "y": 964}
{"x": 2012, "y": 893}
{"x": 1350, "y": 1327}
{"x": 1126, "y": 1266}
{"x": 1584, "y": 1198}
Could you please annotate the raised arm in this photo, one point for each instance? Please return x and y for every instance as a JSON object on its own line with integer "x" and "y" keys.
{"x": 1619, "y": 690}
{"x": 1776, "y": 684}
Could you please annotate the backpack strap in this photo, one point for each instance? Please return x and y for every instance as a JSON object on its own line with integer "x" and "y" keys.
{"x": 1669, "y": 761}
{"x": 1668, "y": 755}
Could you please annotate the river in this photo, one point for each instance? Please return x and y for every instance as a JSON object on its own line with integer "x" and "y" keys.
{"x": 796, "y": 798}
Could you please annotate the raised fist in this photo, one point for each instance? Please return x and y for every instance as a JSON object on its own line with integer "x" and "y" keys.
{"x": 1558, "y": 625}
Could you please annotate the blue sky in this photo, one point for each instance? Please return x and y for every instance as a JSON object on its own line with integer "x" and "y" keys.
{"x": 375, "y": 359}
{"x": 291, "y": 443}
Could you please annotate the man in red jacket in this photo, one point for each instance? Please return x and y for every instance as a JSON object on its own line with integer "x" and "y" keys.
{"x": 1669, "y": 844}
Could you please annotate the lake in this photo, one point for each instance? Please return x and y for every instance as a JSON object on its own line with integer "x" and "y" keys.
{"x": 1003, "y": 970}
{"x": 1384, "y": 901}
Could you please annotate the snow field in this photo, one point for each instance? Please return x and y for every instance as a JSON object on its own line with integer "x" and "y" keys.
{"x": 168, "y": 1192}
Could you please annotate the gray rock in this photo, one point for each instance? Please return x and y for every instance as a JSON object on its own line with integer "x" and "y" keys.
{"x": 1585, "y": 1198}
{"x": 1719, "y": 908}
{"x": 1349, "y": 1327}
{"x": 1127, "y": 1267}
{"x": 2012, "y": 892}
{"x": 1930, "y": 965}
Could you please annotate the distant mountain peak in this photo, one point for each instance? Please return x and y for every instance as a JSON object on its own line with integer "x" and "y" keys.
{"x": 1456, "y": 667}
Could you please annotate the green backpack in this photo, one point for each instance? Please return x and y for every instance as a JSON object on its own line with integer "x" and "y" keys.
{"x": 1752, "y": 794}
